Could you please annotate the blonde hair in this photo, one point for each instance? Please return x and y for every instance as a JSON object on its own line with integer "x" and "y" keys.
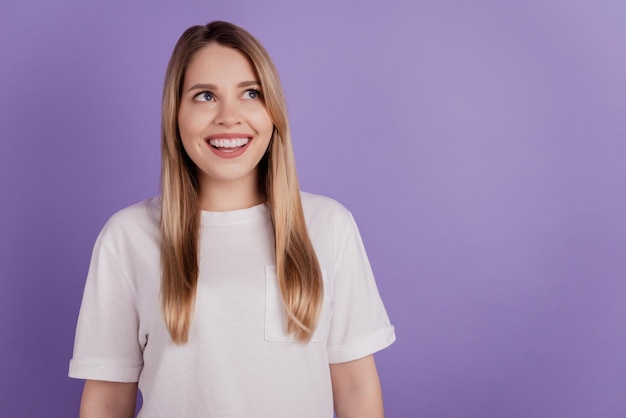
{"x": 298, "y": 271}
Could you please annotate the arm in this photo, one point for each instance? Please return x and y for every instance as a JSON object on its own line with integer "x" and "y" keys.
{"x": 356, "y": 389}
{"x": 108, "y": 399}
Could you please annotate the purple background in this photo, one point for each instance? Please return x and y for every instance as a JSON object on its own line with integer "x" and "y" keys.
{"x": 480, "y": 145}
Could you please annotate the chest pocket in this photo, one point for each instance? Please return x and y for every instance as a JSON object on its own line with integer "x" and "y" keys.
{"x": 276, "y": 318}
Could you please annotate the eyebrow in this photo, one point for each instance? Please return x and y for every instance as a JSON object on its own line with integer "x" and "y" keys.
{"x": 203, "y": 86}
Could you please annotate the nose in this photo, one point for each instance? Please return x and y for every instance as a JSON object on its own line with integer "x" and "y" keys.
{"x": 228, "y": 114}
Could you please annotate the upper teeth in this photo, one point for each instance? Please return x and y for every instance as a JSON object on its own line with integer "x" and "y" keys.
{"x": 228, "y": 143}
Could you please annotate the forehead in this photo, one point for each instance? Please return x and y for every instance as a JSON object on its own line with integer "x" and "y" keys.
{"x": 217, "y": 63}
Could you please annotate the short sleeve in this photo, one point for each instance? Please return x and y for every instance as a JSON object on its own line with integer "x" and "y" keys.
{"x": 106, "y": 346}
{"x": 359, "y": 325}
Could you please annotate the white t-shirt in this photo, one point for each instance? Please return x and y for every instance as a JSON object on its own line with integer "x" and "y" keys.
{"x": 239, "y": 361}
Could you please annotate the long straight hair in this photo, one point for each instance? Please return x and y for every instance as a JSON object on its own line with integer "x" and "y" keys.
{"x": 298, "y": 271}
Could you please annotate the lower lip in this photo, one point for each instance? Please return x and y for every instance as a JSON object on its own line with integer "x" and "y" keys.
{"x": 229, "y": 154}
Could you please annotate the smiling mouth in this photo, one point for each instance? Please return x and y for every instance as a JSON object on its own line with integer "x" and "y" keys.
{"x": 228, "y": 144}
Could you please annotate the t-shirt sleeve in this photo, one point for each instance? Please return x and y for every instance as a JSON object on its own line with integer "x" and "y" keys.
{"x": 359, "y": 324}
{"x": 106, "y": 346}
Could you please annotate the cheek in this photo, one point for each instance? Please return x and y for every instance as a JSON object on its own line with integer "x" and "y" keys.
{"x": 185, "y": 126}
{"x": 262, "y": 123}
{"x": 190, "y": 123}
{"x": 187, "y": 145}
{"x": 187, "y": 131}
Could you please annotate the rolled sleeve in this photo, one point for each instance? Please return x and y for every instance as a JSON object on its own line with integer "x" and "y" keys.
{"x": 106, "y": 346}
{"x": 359, "y": 325}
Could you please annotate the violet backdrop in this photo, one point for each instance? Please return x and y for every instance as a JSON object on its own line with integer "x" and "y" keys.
{"x": 480, "y": 145}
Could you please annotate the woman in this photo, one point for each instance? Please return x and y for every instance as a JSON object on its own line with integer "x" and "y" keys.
{"x": 233, "y": 294}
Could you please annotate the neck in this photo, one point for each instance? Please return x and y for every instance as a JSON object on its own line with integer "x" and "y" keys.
{"x": 218, "y": 196}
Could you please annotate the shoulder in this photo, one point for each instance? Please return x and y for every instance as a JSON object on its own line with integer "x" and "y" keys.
{"x": 134, "y": 221}
{"x": 325, "y": 215}
{"x": 315, "y": 205}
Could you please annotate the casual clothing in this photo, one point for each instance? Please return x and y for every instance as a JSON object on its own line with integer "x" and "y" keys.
{"x": 239, "y": 361}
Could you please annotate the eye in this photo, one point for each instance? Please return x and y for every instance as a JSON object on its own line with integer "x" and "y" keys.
{"x": 252, "y": 94}
{"x": 205, "y": 96}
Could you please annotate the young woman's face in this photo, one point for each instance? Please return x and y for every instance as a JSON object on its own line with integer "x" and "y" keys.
{"x": 223, "y": 123}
